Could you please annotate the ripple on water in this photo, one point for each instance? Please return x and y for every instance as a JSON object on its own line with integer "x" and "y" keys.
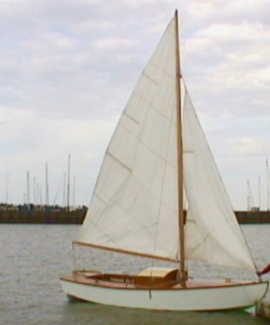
{"x": 33, "y": 257}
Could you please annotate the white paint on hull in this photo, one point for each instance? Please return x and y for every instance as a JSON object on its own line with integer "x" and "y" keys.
{"x": 193, "y": 299}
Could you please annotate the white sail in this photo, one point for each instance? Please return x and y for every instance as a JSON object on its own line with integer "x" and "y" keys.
{"x": 134, "y": 206}
{"x": 212, "y": 232}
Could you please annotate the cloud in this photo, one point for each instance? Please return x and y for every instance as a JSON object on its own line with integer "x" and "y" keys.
{"x": 68, "y": 67}
{"x": 29, "y": 141}
{"x": 247, "y": 145}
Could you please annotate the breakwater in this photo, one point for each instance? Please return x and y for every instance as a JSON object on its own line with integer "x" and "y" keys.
{"x": 42, "y": 217}
{"x": 77, "y": 216}
{"x": 253, "y": 217}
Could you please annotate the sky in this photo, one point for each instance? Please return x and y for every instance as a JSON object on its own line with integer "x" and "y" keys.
{"x": 67, "y": 69}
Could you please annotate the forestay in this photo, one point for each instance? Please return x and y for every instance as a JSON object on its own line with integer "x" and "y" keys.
{"x": 134, "y": 206}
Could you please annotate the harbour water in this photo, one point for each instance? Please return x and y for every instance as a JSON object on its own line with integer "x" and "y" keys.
{"x": 33, "y": 257}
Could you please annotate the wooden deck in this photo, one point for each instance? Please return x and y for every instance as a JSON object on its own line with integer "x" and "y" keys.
{"x": 125, "y": 281}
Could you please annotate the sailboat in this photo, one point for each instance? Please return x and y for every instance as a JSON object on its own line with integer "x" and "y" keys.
{"x": 159, "y": 158}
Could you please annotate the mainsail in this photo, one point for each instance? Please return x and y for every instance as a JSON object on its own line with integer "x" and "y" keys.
{"x": 134, "y": 207}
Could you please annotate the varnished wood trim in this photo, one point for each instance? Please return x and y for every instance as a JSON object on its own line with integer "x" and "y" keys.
{"x": 122, "y": 251}
{"x": 103, "y": 284}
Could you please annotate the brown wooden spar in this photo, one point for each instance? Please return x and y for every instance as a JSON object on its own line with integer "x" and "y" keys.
{"x": 264, "y": 271}
{"x": 182, "y": 267}
{"x": 122, "y": 251}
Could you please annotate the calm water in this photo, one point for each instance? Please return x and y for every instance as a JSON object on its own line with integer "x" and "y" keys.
{"x": 33, "y": 257}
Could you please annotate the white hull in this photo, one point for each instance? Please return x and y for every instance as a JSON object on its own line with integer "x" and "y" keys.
{"x": 220, "y": 297}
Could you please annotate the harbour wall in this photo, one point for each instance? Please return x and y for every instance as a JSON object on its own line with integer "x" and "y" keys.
{"x": 42, "y": 217}
{"x": 77, "y": 216}
{"x": 253, "y": 217}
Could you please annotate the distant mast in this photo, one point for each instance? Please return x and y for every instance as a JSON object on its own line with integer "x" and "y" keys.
{"x": 248, "y": 197}
{"x": 250, "y": 201}
{"x": 74, "y": 190}
{"x": 7, "y": 189}
{"x": 28, "y": 190}
{"x": 68, "y": 183}
{"x": 34, "y": 192}
{"x": 259, "y": 193}
{"x": 47, "y": 200}
{"x": 64, "y": 190}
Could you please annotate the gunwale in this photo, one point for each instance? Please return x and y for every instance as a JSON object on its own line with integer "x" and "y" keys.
{"x": 107, "y": 280}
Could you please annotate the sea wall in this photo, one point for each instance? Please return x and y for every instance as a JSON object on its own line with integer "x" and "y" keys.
{"x": 42, "y": 217}
{"x": 77, "y": 216}
{"x": 253, "y": 217}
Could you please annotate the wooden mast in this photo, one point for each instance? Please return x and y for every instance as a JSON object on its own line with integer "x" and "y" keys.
{"x": 182, "y": 267}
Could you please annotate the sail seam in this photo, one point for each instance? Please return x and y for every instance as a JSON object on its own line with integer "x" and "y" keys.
{"x": 149, "y": 78}
{"x": 165, "y": 72}
{"x": 146, "y": 146}
{"x": 130, "y": 117}
{"x": 142, "y": 187}
{"x": 120, "y": 162}
{"x": 131, "y": 217}
{"x": 152, "y": 106}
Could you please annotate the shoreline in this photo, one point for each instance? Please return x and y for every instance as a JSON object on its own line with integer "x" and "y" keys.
{"x": 77, "y": 217}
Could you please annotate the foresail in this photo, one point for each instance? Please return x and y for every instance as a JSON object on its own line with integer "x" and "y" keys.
{"x": 211, "y": 231}
{"x": 134, "y": 207}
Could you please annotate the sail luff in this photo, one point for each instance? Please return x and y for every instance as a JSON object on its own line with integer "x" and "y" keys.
{"x": 180, "y": 155}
